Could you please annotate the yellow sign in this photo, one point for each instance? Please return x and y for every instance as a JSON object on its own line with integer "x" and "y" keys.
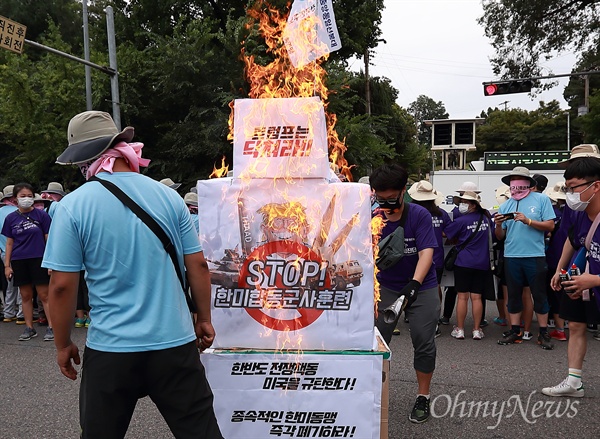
{"x": 12, "y": 35}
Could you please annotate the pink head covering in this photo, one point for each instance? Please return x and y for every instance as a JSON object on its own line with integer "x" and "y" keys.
{"x": 131, "y": 152}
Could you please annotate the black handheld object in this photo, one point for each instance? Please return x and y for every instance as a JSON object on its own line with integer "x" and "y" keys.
{"x": 510, "y": 215}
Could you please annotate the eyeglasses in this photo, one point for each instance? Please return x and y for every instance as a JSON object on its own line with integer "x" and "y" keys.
{"x": 570, "y": 190}
{"x": 390, "y": 201}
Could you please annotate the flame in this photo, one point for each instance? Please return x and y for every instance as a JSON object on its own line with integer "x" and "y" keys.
{"x": 220, "y": 172}
{"x": 280, "y": 79}
{"x": 377, "y": 223}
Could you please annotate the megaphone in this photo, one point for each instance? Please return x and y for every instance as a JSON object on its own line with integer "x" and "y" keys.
{"x": 392, "y": 312}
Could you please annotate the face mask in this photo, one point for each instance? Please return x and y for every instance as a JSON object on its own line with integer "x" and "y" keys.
{"x": 463, "y": 208}
{"x": 519, "y": 189}
{"x": 83, "y": 167}
{"x": 391, "y": 207}
{"x": 25, "y": 202}
{"x": 574, "y": 202}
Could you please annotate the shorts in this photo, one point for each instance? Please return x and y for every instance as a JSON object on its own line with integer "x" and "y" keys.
{"x": 470, "y": 280}
{"x": 576, "y": 310}
{"x": 29, "y": 271}
{"x": 522, "y": 272}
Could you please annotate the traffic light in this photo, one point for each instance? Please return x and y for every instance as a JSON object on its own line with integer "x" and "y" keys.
{"x": 507, "y": 87}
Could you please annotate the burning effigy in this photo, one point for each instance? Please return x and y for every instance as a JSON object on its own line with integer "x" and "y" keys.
{"x": 290, "y": 251}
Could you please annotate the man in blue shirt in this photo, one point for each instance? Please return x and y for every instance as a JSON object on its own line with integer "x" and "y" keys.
{"x": 142, "y": 339}
{"x": 13, "y": 309}
{"x": 522, "y": 222}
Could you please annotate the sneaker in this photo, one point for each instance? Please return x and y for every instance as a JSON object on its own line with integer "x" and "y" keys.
{"x": 438, "y": 331}
{"x": 511, "y": 338}
{"x": 9, "y": 319}
{"x": 458, "y": 333}
{"x": 444, "y": 321}
{"x": 484, "y": 323}
{"x": 566, "y": 326}
{"x": 558, "y": 335}
{"x": 87, "y": 322}
{"x": 527, "y": 335}
{"x": 478, "y": 334}
{"x": 500, "y": 322}
{"x": 80, "y": 323}
{"x": 564, "y": 389}
{"x": 592, "y": 328}
{"x": 49, "y": 335}
{"x": 551, "y": 323}
{"x": 28, "y": 334}
{"x": 20, "y": 320}
{"x": 396, "y": 331}
{"x": 43, "y": 321}
{"x": 545, "y": 341}
{"x": 596, "y": 336}
{"x": 420, "y": 411}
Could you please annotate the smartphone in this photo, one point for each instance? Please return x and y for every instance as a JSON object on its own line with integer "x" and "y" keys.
{"x": 508, "y": 216}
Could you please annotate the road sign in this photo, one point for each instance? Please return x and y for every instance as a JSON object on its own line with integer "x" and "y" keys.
{"x": 12, "y": 35}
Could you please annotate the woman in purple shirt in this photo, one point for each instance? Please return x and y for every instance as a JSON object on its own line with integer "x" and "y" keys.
{"x": 26, "y": 230}
{"x": 472, "y": 267}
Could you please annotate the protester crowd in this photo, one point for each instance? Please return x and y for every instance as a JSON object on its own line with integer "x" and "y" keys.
{"x": 535, "y": 253}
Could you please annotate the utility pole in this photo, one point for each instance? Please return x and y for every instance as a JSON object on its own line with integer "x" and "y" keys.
{"x": 86, "y": 56}
{"x": 112, "y": 60}
{"x": 367, "y": 85}
{"x": 505, "y": 103}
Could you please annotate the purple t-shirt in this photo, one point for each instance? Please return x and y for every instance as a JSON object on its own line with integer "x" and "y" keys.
{"x": 557, "y": 240}
{"x": 581, "y": 225}
{"x": 439, "y": 226}
{"x": 418, "y": 235}
{"x": 476, "y": 254}
{"x": 27, "y": 230}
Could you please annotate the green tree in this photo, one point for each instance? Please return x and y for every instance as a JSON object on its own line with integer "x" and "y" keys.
{"x": 524, "y": 33}
{"x": 424, "y": 108}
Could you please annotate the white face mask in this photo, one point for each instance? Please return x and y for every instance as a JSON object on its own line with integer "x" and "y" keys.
{"x": 463, "y": 208}
{"x": 574, "y": 202}
{"x": 25, "y": 202}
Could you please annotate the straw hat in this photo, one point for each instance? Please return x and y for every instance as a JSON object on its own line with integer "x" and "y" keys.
{"x": 502, "y": 194}
{"x": 557, "y": 192}
{"x": 583, "y": 150}
{"x": 90, "y": 134}
{"x": 191, "y": 198}
{"x": 423, "y": 191}
{"x": 55, "y": 188}
{"x": 519, "y": 171}
{"x": 168, "y": 182}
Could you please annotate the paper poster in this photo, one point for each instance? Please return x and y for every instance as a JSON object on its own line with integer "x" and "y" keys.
{"x": 291, "y": 263}
{"x": 285, "y": 395}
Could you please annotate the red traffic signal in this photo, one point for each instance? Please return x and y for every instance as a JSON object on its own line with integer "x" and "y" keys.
{"x": 507, "y": 87}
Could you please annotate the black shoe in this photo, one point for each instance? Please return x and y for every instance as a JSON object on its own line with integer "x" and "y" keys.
{"x": 545, "y": 341}
{"x": 444, "y": 321}
{"x": 438, "y": 331}
{"x": 592, "y": 327}
{"x": 420, "y": 411}
{"x": 20, "y": 320}
{"x": 484, "y": 323}
{"x": 511, "y": 338}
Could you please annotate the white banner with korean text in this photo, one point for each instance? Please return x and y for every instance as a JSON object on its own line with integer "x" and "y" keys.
{"x": 297, "y": 396}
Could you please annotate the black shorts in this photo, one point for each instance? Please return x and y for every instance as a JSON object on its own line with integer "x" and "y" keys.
{"x": 470, "y": 280}
{"x": 174, "y": 379}
{"x": 579, "y": 311}
{"x": 29, "y": 271}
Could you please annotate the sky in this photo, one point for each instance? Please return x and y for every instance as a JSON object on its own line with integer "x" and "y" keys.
{"x": 436, "y": 48}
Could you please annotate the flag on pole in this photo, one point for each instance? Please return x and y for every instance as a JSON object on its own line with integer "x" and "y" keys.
{"x": 311, "y": 31}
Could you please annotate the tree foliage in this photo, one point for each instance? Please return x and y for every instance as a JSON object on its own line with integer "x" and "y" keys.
{"x": 524, "y": 32}
{"x": 424, "y": 108}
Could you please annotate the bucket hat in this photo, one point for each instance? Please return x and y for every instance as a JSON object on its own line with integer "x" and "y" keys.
{"x": 7, "y": 192}
{"x": 557, "y": 192}
{"x": 168, "y": 182}
{"x": 191, "y": 198}
{"x": 519, "y": 171}
{"x": 469, "y": 195}
{"x": 468, "y": 186}
{"x": 583, "y": 150}
{"x": 423, "y": 191}
{"x": 502, "y": 193}
{"x": 55, "y": 188}
{"x": 90, "y": 134}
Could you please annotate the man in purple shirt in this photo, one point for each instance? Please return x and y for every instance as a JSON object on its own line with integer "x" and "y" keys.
{"x": 579, "y": 305}
{"x": 412, "y": 277}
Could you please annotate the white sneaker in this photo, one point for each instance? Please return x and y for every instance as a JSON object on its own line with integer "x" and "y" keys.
{"x": 564, "y": 389}
{"x": 527, "y": 335}
{"x": 458, "y": 333}
{"x": 551, "y": 323}
{"x": 478, "y": 334}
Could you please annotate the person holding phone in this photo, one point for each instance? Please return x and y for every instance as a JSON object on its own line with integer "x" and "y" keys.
{"x": 524, "y": 252}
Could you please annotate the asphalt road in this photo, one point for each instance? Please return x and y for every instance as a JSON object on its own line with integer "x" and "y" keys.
{"x": 36, "y": 401}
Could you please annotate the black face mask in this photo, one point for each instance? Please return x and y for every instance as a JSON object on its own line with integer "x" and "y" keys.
{"x": 391, "y": 207}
